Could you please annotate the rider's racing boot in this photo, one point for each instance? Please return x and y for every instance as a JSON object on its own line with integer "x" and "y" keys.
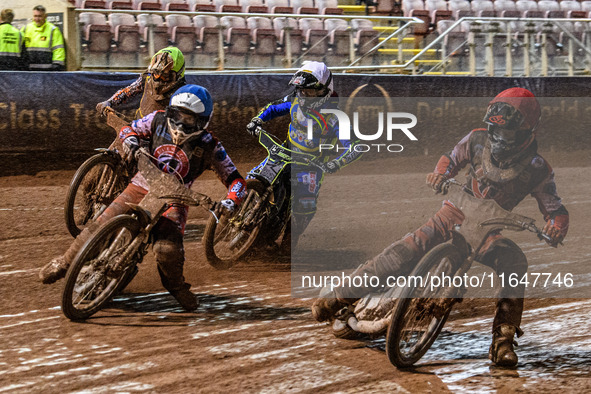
{"x": 185, "y": 298}
{"x": 54, "y": 270}
{"x": 324, "y": 309}
{"x": 501, "y": 350}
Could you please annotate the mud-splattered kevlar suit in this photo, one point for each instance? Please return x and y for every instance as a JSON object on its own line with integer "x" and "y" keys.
{"x": 189, "y": 160}
{"x": 307, "y": 179}
{"x": 529, "y": 174}
{"x": 151, "y": 101}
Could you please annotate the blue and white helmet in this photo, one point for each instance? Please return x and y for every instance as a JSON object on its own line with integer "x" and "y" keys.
{"x": 189, "y": 112}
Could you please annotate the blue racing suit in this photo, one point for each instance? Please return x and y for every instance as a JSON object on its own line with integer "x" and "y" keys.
{"x": 306, "y": 179}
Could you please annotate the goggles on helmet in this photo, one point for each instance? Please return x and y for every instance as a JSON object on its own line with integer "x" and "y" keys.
{"x": 184, "y": 124}
{"x": 310, "y": 92}
{"x": 162, "y": 77}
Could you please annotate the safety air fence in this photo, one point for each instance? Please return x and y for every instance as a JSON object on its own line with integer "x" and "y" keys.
{"x": 48, "y": 120}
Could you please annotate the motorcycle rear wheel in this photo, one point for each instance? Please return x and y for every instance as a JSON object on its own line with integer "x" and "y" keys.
{"x": 227, "y": 241}
{"x": 421, "y": 313}
{"x": 91, "y": 280}
{"x": 96, "y": 183}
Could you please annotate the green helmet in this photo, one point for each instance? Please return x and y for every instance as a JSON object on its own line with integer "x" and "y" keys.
{"x": 168, "y": 59}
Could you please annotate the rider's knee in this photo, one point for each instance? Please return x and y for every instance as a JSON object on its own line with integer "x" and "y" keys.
{"x": 168, "y": 252}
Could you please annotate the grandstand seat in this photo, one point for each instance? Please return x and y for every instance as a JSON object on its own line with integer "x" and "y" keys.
{"x": 264, "y": 42}
{"x": 365, "y": 35}
{"x": 409, "y": 5}
{"x": 175, "y": 5}
{"x": 416, "y": 8}
{"x": 454, "y": 41}
{"x": 548, "y": 5}
{"x": 148, "y": 5}
{"x": 126, "y": 33}
{"x": 534, "y": 14}
{"x": 90, "y": 4}
{"x": 480, "y": 6}
{"x": 315, "y": 37}
{"x": 96, "y": 33}
{"x": 227, "y": 6}
{"x": 504, "y": 5}
{"x": 304, "y": 7}
{"x": 262, "y": 35}
{"x": 182, "y": 33}
{"x": 279, "y": 6}
{"x": 208, "y": 33}
{"x": 160, "y": 32}
{"x": 438, "y": 10}
{"x": 457, "y": 6}
{"x": 120, "y": 5}
{"x": 388, "y": 7}
{"x": 284, "y": 25}
{"x": 586, "y": 6}
{"x": 201, "y": 5}
{"x": 254, "y": 6}
{"x": 237, "y": 34}
{"x": 339, "y": 37}
{"x": 573, "y": 9}
{"x": 526, "y": 5}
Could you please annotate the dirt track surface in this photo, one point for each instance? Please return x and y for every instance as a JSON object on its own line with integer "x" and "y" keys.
{"x": 249, "y": 334}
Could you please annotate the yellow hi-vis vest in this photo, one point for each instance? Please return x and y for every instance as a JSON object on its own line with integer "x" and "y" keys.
{"x": 45, "y": 46}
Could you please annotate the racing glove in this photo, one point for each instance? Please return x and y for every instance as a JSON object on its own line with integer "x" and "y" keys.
{"x": 554, "y": 232}
{"x": 131, "y": 145}
{"x": 102, "y": 106}
{"x": 435, "y": 180}
{"x": 228, "y": 205}
{"x": 251, "y": 128}
{"x": 332, "y": 166}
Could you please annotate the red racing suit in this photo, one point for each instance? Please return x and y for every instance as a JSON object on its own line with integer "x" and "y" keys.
{"x": 527, "y": 174}
{"x": 188, "y": 161}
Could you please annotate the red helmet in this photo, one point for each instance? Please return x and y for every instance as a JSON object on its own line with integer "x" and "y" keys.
{"x": 512, "y": 117}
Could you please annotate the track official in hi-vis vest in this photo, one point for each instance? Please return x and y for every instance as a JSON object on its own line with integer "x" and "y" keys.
{"x": 12, "y": 44}
{"x": 44, "y": 43}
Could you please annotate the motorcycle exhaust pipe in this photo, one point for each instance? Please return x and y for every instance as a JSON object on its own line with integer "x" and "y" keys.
{"x": 369, "y": 327}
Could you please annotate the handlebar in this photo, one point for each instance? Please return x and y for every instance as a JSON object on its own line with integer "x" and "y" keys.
{"x": 296, "y": 157}
{"x": 529, "y": 226}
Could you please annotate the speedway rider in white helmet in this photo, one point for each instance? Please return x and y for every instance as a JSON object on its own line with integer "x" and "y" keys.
{"x": 314, "y": 90}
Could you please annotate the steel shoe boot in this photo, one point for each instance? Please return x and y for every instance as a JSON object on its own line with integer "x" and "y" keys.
{"x": 324, "y": 309}
{"x": 54, "y": 270}
{"x": 185, "y": 298}
{"x": 501, "y": 350}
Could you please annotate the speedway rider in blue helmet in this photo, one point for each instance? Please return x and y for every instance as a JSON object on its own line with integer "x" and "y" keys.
{"x": 314, "y": 91}
{"x": 181, "y": 145}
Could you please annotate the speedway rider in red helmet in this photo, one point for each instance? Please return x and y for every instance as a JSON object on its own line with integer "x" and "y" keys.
{"x": 504, "y": 166}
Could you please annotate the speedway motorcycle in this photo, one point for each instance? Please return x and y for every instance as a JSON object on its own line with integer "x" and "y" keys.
{"x": 98, "y": 181}
{"x": 412, "y": 317}
{"x": 265, "y": 214}
{"x": 109, "y": 259}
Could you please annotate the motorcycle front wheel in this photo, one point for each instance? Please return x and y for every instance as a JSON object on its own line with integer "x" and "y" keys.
{"x": 228, "y": 240}
{"x": 96, "y": 183}
{"x": 421, "y": 312}
{"x": 92, "y": 279}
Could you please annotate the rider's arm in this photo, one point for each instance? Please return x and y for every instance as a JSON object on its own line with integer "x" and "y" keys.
{"x": 550, "y": 204}
{"x": 451, "y": 163}
{"x": 228, "y": 173}
{"x": 141, "y": 128}
{"x": 122, "y": 95}
{"x": 275, "y": 109}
